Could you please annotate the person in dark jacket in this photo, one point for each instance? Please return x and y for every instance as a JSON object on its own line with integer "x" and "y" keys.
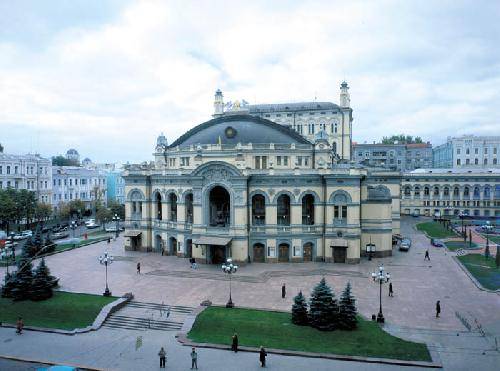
{"x": 391, "y": 293}
{"x": 426, "y": 257}
{"x": 438, "y": 309}
{"x": 139, "y": 268}
{"x": 262, "y": 356}
{"x": 234, "y": 344}
{"x": 283, "y": 291}
{"x": 163, "y": 356}
{"x": 19, "y": 326}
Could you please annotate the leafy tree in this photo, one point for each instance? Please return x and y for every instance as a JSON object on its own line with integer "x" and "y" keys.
{"x": 49, "y": 245}
{"x": 41, "y": 287}
{"x": 103, "y": 215}
{"x": 117, "y": 208}
{"x": 299, "y": 310}
{"x": 1, "y": 148}
{"x": 8, "y": 211}
{"x": 347, "y": 310}
{"x": 63, "y": 161}
{"x": 30, "y": 248}
{"x": 43, "y": 211}
{"x": 323, "y": 308}
{"x": 401, "y": 139}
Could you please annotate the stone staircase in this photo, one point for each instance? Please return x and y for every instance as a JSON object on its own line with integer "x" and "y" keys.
{"x": 144, "y": 316}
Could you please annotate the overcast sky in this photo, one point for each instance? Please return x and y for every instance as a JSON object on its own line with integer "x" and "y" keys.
{"x": 106, "y": 77}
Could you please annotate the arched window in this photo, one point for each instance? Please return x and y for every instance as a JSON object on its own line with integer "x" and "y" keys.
{"x": 334, "y": 147}
{"x": 436, "y": 191}
{"x": 456, "y": 192}
{"x": 417, "y": 191}
{"x": 426, "y": 191}
{"x": 308, "y": 209}
{"x": 485, "y": 162}
{"x": 466, "y": 192}
{"x": 487, "y": 192}
{"x": 172, "y": 198}
{"x": 407, "y": 191}
{"x": 340, "y": 201}
{"x": 283, "y": 210}
{"x": 189, "y": 208}
{"x": 476, "y": 192}
{"x": 136, "y": 200}
{"x": 158, "y": 206}
{"x": 446, "y": 191}
{"x": 258, "y": 210}
{"x": 220, "y": 206}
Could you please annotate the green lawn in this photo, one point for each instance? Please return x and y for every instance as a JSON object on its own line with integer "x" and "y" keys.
{"x": 494, "y": 239}
{"x": 484, "y": 270}
{"x": 275, "y": 330}
{"x": 435, "y": 230}
{"x": 65, "y": 310}
{"x": 455, "y": 245}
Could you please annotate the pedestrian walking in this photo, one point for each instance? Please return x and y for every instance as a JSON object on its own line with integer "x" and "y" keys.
{"x": 194, "y": 359}
{"x": 168, "y": 312}
{"x": 163, "y": 357}
{"x": 391, "y": 293}
{"x": 262, "y": 356}
{"x": 139, "y": 268}
{"x": 438, "y": 308}
{"x": 109, "y": 240}
{"x": 426, "y": 257}
{"x": 234, "y": 344}
{"x": 19, "y": 326}
{"x": 283, "y": 291}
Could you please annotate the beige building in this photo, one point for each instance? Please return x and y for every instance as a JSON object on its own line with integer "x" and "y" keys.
{"x": 245, "y": 187}
{"x": 441, "y": 192}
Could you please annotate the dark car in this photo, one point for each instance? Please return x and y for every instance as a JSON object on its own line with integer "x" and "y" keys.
{"x": 437, "y": 243}
{"x": 405, "y": 244}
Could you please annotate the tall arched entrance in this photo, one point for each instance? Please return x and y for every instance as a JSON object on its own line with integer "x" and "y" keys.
{"x": 219, "y": 207}
{"x": 158, "y": 243}
{"x": 189, "y": 248}
{"x": 283, "y": 252}
{"x": 172, "y": 246}
{"x": 259, "y": 253}
{"x": 307, "y": 252}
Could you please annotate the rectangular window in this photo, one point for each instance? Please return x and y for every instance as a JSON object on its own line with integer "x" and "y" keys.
{"x": 271, "y": 251}
{"x": 16, "y": 168}
{"x": 278, "y": 160}
{"x": 306, "y": 161}
{"x": 1, "y": 169}
{"x": 8, "y": 169}
{"x": 458, "y": 161}
{"x": 476, "y": 150}
{"x": 344, "y": 212}
{"x": 485, "y": 150}
{"x": 336, "y": 212}
{"x": 299, "y": 160}
{"x": 296, "y": 251}
{"x": 184, "y": 161}
{"x": 285, "y": 160}
{"x": 70, "y": 182}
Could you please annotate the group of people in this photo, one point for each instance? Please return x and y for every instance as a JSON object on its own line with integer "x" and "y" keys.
{"x": 262, "y": 351}
{"x": 193, "y": 263}
{"x": 194, "y": 358}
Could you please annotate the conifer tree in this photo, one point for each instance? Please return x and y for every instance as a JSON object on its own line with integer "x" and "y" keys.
{"x": 299, "y": 310}
{"x": 49, "y": 245}
{"x": 347, "y": 310}
{"x": 37, "y": 240}
{"x": 323, "y": 308}
{"x": 41, "y": 287}
{"x": 23, "y": 279}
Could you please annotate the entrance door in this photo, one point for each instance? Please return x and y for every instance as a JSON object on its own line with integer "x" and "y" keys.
{"x": 284, "y": 252}
{"x": 218, "y": 254}
{"x": 339, "y": 254}
{"x": 136, "y": 242}
{"x": 258, "y": 253}
{"x": 189, "y": 248}
{"x": 308, "y": 252}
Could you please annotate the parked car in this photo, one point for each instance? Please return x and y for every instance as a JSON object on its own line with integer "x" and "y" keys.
{"x": 437, "y": 243}
{"x": 9, "y": 244}
{"x": 90, "y": 221}
{"x": 45, "y": 229}
{"x": 19, "y": 237}
{"x": 405, "y": 244}
{"x": 27, "y": 233}
{"x": 415, "y": 215}
{"x": 59, "y": 235}
{"x": 92, "y": 225}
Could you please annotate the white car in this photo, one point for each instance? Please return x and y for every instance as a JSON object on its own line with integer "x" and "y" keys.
{"x": 90, "y": 221}
{"x": 27, "y": 233}
{"x": 92, "y": 226}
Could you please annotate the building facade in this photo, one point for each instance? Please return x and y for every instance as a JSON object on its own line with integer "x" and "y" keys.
{"x": 468, "y": 151}
{"x": 306, "y": 118}
{"x": 78, "y": 183}
{"x": 388, "y": 156}
{"x": 418, "y": 156}
{"x": 442, "y": 192}
{"x": 31, "y": 172}
{"x": 115, "y": 186}
{"x": 245, "y": 187}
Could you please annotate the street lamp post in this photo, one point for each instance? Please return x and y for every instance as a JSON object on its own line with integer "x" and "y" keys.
{"x": 106, "y": 260}
{"x": 229, "y": 268}
{"x": 116, "y": 219}
{"x": 381, "y": 277}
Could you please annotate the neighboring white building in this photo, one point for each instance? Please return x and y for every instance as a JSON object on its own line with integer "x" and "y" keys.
{"x": 468, "y": 151}
{"x": 445, "y": 192}
{"x": 31, "y": 172}
{"x": 306, "y": 118}
{"x": 78, "y": 183}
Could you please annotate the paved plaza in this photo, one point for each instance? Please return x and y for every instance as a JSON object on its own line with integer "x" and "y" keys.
{"x": 410, "y": 314}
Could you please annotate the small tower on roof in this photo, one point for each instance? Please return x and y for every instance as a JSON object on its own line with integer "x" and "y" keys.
{"x": 218, "y": 103}
{"x": 345, "y": 99}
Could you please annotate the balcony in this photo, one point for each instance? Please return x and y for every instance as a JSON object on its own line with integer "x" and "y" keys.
{"x": 283, "y": 229}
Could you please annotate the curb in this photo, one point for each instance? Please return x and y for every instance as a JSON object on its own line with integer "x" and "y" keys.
{"x": 473, "y": 279}
{"x": 105, "y": 312}
{"x": 29, "y": 360}
{"x": 183, "y": 339}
